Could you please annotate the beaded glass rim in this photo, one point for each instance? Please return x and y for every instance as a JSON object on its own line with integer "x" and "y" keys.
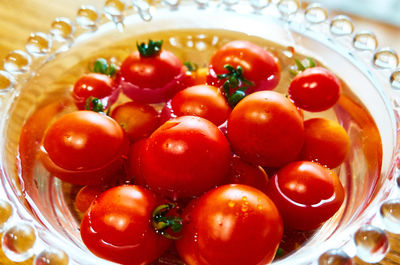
{"x": 369, "y": 242}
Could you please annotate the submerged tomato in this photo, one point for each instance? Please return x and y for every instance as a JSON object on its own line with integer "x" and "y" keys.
{"x": 84, "y": 147}
{"x": 306, "y": 194}
{"x": 185, "y": 157}
{"x": 266, "y": 129}
{"x": 94, "y": 85}
{"x": 315, "y": 89}
{"x": 151, "y": 78}
{"x": 259, "y": 66}
{"x": 118, "y": 226}
{"x": 202, "y": 101}
{"x": 231, "y": 224}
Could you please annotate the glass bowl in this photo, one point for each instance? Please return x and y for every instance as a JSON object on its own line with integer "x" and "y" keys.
{"x": 37, "y": 218}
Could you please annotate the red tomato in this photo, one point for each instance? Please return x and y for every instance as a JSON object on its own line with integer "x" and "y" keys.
{"x": 134, "y": 162}
{"x": 137, "y": 119}
{"x": 185, "y": 157}
{"x": 266, "y": 129}
{"x": 95, "y": 85}
{"x": 151, "y": 79}
{"x": 259, "y": 66}
{"x": 326, "y": 142}
{"x": 306, "y": 194}
{"x": 315, "y": 89}
{"x": 84, "y": 147}
{"x": 232, "y": 224}
{"x": 118, "y": 226}
{"x": 86, "y": 196}
{"x": 242, "y": 172}
{"x": 202, "y": 101}
{"x": 196, "y": 77}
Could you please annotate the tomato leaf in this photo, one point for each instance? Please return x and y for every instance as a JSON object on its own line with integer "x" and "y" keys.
{"x": 152, "y": 48}
{"x": 101, "y": 66}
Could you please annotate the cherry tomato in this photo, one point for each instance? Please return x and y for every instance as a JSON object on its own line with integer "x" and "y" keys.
{"x": 315, "y": 89}
{"x": 195, "y": 77}
{"x": 185, "y": 157}
{"x": 134, "y": 170}
{"x": 326, "y": 142}
{"x": 137, "y": 119}
{"x": 231, "y": 224}
{"x": 306, "y": 194}
{"x": 94, "y": 85}
{"x": 118, "y": 226}
{"x": 151, "y": 78}
{"x": 84, "y": 147}
{"x": 86, "y": 195}
{"x": 242, "y": 172}
{"x": 202, "y": 101}
{"x": 266, "y": 129}
{"x": 259, "y": 66}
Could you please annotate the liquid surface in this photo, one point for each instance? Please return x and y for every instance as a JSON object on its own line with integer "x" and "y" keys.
{"x": 358, "y": 174}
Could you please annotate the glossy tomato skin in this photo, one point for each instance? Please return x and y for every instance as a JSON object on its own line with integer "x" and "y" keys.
{"x": 86, "y": 195}
{"x": 151, "y": 79}
{"x": 134, "y": 164}
{"x": 84, "y": 148}
{"x": 117, "y": 226}
{"x": 306, "y": 194}
{"x": 196, "y": 77}
{"x": 315, "y": 89}
{"x": 185, "y": 157}
{"x": 266, "y": 129}
{"x": 203, "y": 101}
{"x": 138, "y": 120}
{"x": 232, "y": 224}
{"x": 326, "y": 142}
{"x": 95, "y": 85}
{"x": 259, "y": 66}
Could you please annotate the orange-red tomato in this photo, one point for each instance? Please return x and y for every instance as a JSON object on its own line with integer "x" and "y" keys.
{"x": 185, "y": 157}
{"x": 202, "y": 101}
{"x": 306, "y": 194}
{"x": 86, "y": 196}
{"x": 196, "y": 77}
{"x": 266, "y": 129}
{"x": 138, "y": 120}
{"x": 326, "y": 142}
{"x": 230, "y": 225}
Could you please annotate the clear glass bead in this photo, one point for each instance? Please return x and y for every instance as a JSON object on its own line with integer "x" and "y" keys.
{"x": 288, "y": 7}
{"x": 335, "y": 257}
{"x": 341, "y": 25}
{"x": 38, "y": 44}
{"x": 390, "y": 213}
{"x": 365, "y": 40}
{"x": 87, "y": 17}
{"x": 372, "y": 243}
{"x": 17, "y": 62}
{"x": 62, "y": 28}
{"x": 315, "y": 13}
{"x": 51, "y": 256}
{"x": 18, "y": 241}
{"x": 6, "y": 211}
{"x": 386, "y": 58}
{"x": 114, "y": 10}
{"x": 7, "y": 82}
{"x": 395, "y": 82}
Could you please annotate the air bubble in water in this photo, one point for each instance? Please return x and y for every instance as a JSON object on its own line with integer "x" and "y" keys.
{"x": 372, "y": 243}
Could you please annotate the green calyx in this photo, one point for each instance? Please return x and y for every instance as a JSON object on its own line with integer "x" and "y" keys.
{"x": 101, "y": 66}
{"x": 161, "y": 221}
{"x": 152, "y": 48}
{"x": 300, "y": 66}
{"x": 94, "y": 104}
{"x": 234, "y": 81}
{"x": 192, "y": 67}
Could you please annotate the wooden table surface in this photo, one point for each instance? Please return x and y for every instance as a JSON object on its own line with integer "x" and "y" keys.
{"x": 18, "y": 18}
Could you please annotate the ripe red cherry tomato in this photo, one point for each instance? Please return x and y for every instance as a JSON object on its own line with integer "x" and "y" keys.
{"x": 94, "y": 85}
{"x": 242, "y": 172}
{"x": 84, "y": 147}
{"x": 306, "y": 194}
{"x": 138, "y": 120}
{"x": 315, "y": 89}
{"x": 266, "y": 129}
{"x": 259, "y": 66}
{"x": 326, "y": 142}
{"x": 202, "y": 101}
{"x": 117, "y": 226}
{"x": 231, "y": 224}
{"x": 134, "y": 164}
{"x": 185, "y": 157}
{"x": 86, "y": 196}
{"x": 151, "y": 78}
